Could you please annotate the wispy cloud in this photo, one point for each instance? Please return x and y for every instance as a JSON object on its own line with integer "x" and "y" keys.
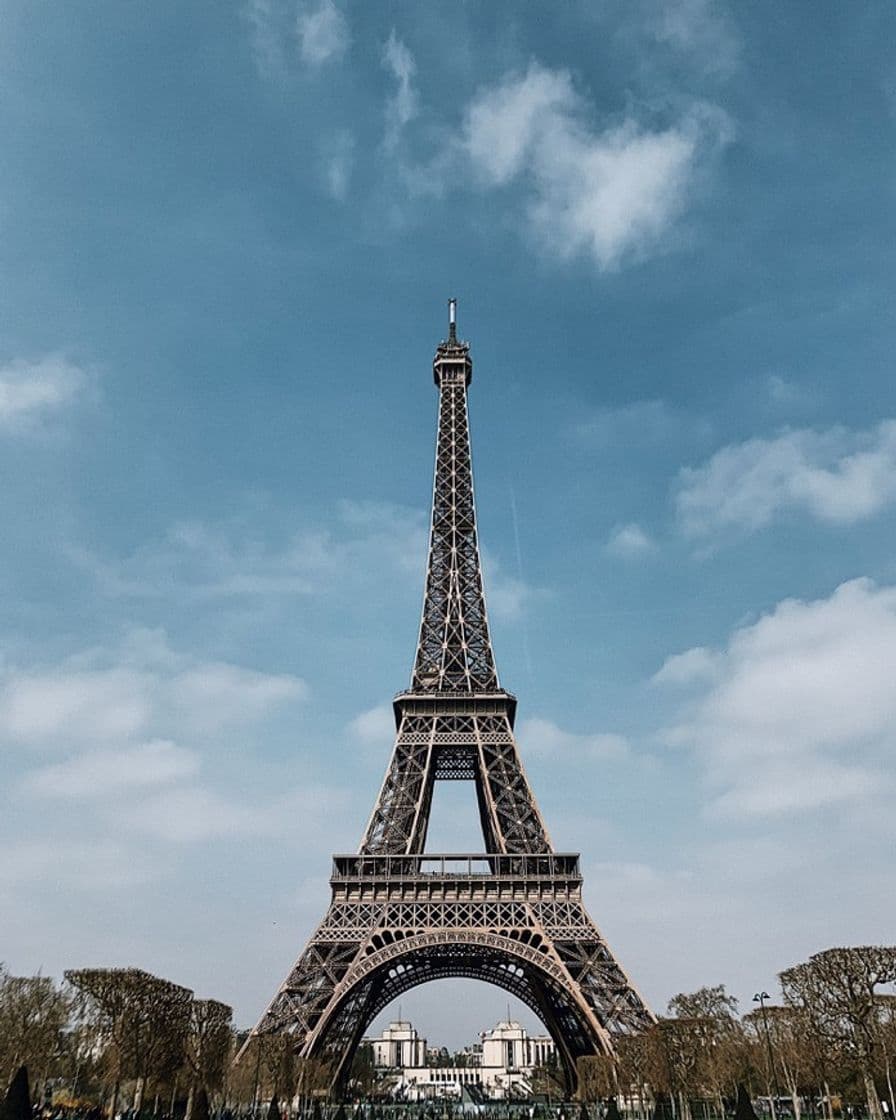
{"x": 629, "y": 540}
{"x": 642, "y": 423}
{"x": 267, "y": 21}
{"x": 119, "y": 717}
{"x": 30, "y": 391}
{"x": 701, "y": 29}
{"x": 118, "y": 696}
{"x": 337, "y": 160}
{"x": 786, "y": 393}
{"x": 240, "y": 559}
{"x": 543, "y": 738}
{"x": 507, "y": 596}
{"x": 798, "y": 711}
{"x": 192, "y": 814}
{"x": 99, "y": 774}
{"x": 837, "y": 476}
{"x": 610, "y": 193}
{"x": 402, "y": 106}
{"x": 375, "y": 727}
{"x": 323, "y": 32}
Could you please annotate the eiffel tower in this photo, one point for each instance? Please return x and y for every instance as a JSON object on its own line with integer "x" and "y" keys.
{"x": 513, "y": 915}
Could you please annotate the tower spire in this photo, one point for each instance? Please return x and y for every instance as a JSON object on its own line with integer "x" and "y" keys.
{"x": 454, "y": 653}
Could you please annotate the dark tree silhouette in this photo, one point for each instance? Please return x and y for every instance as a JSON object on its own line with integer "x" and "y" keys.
{"x": 200, "y": 1108}
{"x": 744, "y": 1110}
{"x": 17, "y": 1102}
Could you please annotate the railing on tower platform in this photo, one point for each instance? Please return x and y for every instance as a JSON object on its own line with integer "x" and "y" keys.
{"x": 471, "y": 865}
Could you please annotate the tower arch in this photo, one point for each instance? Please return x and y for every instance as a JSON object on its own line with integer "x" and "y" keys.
{"x": 525, "y": 970}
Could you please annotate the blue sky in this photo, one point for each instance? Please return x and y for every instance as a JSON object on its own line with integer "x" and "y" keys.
{"x": 228, "y": 232}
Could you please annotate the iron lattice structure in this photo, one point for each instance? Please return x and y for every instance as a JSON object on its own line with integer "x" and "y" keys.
{"x": 512, "y": 916}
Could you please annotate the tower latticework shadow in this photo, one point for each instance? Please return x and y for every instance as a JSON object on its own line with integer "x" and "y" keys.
{"x": 512, "y": 916}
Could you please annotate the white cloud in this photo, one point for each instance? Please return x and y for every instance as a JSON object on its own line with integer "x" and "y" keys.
{"x": 798, "y": 712}
{"x": 99, "y": 774}
{"x": 119, "y": 726}
{"x": 543, "y": 738}
{"x": 323, "y": 33}
{"x": 117, "y": 698}
{"x": 694, "y": 665}
{"x": 31, "y": 390}
{"x": 73, "y": 705}
{"x": 629, "y": 540}
{"x": 610, "y": 194}
{"x": 216, "y": 694}
{"x": 837, "y": 476}
{"x": 375, "y": 727}
{"x": 402, "y": 107}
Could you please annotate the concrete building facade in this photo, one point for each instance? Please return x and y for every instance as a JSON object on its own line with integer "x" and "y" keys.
{"x": 499, "y": 1067}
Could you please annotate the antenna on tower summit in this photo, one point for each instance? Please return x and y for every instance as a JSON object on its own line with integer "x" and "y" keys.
{"x": 452, "y": 320}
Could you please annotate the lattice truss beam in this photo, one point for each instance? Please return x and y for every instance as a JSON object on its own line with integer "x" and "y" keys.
{"x": 437, "y": 746}
{"x": 454, "y": 652}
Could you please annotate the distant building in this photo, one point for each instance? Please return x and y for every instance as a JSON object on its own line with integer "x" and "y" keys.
{"x": 398, "y": 1047}
{"x": 499, "y": 1067}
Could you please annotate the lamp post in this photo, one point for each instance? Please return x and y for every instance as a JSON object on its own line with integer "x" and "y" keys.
{"x": 760, "y": 998}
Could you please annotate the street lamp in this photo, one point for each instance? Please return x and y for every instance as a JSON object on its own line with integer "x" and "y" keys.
{"x": 760, "y": 998}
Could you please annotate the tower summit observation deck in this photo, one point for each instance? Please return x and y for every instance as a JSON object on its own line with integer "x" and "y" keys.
{"x": 511, "y": 915}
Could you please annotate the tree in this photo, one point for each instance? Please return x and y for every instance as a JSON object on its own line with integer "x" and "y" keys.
{"x": 792, "y": 1049}
{"x": 596, "y": 1077}
{"x": 715, "y": 1034}
{"x": 674, "y": 1061}
{"x": 633, "y": 1067}
{"x": 547, "y": 1078}
{"x": 207, "y": 1047}
{"x": 33, "y": 1017}
{"x": 363, "y": 1071}
{"x": 886, "y": 1006}
{"x": 142, "y": 1021}
{"x": 837, "y": 989}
